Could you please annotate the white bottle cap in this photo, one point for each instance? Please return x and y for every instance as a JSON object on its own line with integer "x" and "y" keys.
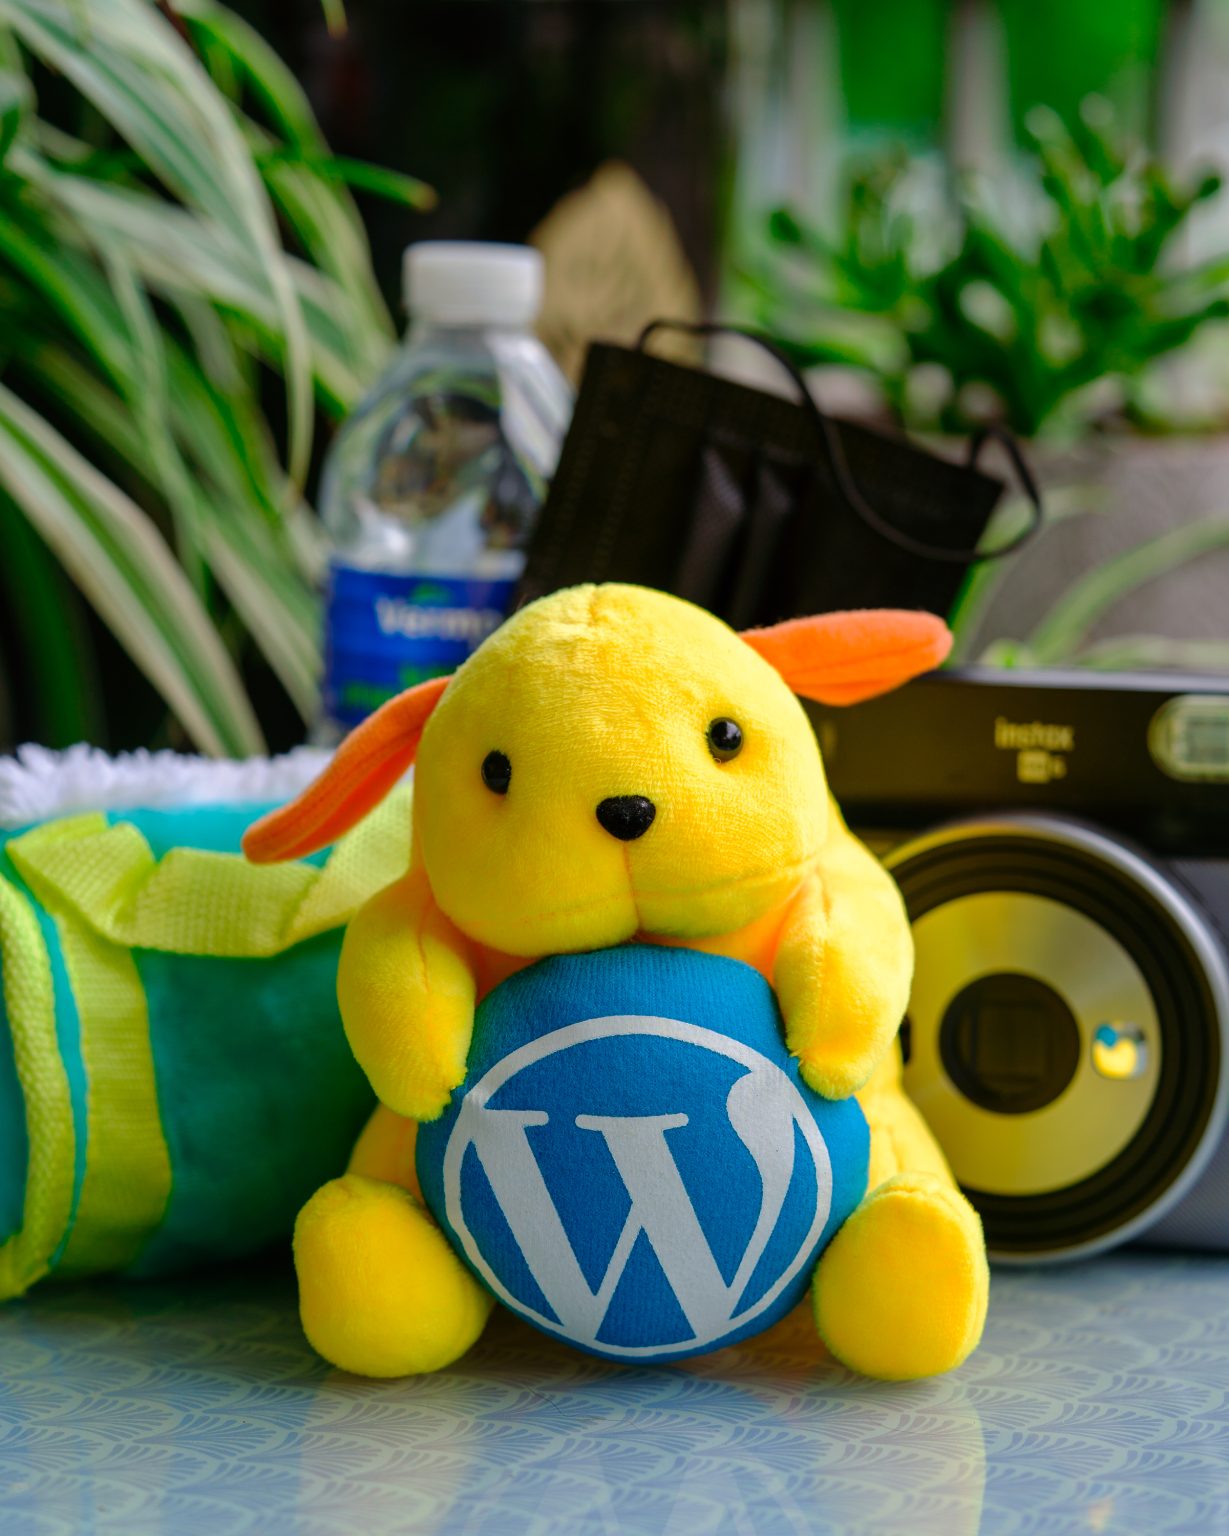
{"x": 471, "y": 282}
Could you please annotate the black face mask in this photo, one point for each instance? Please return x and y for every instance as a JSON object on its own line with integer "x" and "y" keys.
{"x": 754, "y": 507}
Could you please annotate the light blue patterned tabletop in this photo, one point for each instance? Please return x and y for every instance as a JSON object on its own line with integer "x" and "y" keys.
{"x": 1099, "y": 1402}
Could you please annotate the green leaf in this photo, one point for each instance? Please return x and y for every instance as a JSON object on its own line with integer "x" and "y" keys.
{"x": 332, "y": 237}
{"x": 15, "y": 100}
{"x": 124, "y": 568}
{"x": 393, "y": 186}
{"x": 70, "y": 286}
{"x": 1155, "y": 653}
{"x": 180, "y": 255}
{"x": 251, "y": 562}
{"x": 984, "y": 582}
{"x": 1087, "y": 256}
{"x": 148, "y": 399}
{"x": 1008, "y": 654}
{"x": 785, "y": 227}
{"x": 278, "y": 93}
{"x": 173, "y": 233}
{"x": 138, "y": 72}
{"x": 1062, "y": 633}
{"x": 240, "y": 554}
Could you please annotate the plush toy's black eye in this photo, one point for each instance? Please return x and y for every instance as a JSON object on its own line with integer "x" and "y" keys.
{"x": 496, "y": 772}
{"x": 725, "y": 739}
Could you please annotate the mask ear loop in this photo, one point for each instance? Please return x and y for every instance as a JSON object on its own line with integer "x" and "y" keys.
{"x": 839, "y": 465}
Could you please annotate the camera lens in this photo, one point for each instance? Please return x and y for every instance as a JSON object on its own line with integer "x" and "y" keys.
{"x": 1009, "y": 1043}
{"x": 1069, "y": 1007}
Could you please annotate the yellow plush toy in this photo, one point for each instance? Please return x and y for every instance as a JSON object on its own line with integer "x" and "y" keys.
{"x": 616, "y": 764}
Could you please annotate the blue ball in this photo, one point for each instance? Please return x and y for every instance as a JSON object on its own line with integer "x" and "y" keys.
{"x": 633, "y": 1162}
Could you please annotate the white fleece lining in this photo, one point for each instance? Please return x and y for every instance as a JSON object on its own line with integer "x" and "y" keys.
{"x": 38, "y": 783}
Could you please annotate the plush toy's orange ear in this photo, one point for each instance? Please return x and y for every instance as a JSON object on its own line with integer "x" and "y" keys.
{"x": 367, "y": 765}
{"x": 839, "y": 658}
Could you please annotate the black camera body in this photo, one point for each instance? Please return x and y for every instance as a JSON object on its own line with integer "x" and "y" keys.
{"x": 1062, "y": 843}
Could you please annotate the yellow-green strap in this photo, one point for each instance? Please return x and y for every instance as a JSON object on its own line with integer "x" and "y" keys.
{"x": 127, "y": 1179}
{"x": 29, "y": 1003}
{"x": 194, "y": 902}
{"x": 109, "y": 896}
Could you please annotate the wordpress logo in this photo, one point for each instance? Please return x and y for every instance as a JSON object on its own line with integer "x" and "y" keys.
{"x": 648, "y": 1185}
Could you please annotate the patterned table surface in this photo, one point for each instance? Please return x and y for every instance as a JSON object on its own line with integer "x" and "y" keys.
{"x": 1099, "y": 1402}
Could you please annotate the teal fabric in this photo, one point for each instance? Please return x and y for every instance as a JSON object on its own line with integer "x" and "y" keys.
{"x": 261, "y": 1098}
{"x": 68, "y": 1035}
{"x": 259, "y": 1095}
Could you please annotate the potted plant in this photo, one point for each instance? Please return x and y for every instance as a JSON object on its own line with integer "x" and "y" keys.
{"x": 1054, "y": 304}
{"x": 184, "y": 283}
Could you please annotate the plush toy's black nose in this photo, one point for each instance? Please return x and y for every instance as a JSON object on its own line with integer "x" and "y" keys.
{"x": 626, "y": 816}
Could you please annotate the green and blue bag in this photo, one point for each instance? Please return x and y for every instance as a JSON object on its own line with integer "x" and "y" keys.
{"x": 174, "y": 1078}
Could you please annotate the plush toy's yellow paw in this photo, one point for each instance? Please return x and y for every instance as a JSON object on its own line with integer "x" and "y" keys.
{"x": 381, "y": 1292}
{"x": 902, "y": 1290}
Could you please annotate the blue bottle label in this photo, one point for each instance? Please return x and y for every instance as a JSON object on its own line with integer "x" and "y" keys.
{"x": 386, "y": 632}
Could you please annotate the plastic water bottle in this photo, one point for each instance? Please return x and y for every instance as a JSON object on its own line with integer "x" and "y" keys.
{"x": 432, "y": 487}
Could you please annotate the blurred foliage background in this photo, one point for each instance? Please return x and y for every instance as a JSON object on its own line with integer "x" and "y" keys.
{"x": 186, "y": 285}
{"x": 953, "y": 211}
{"x": 1050, "y": 332}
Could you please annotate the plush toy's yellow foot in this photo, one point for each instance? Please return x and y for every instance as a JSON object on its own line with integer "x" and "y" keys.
{"x": 902, "y": 1290}
{"x": 381, "y": 1293}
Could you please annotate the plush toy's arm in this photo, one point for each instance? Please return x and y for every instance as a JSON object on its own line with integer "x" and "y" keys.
{"x": 843, "y": 967}
{"x": 405, "y": 984}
